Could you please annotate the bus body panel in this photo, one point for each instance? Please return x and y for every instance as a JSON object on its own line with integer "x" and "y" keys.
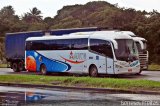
{"x": 97, "y": 60}
{"x": 57, "y": 59}
{"x": 122, "y": 67}
{"x": 34, "y": 59}
{"x": 110, "y": 66}
{"x": 73, "y": 61}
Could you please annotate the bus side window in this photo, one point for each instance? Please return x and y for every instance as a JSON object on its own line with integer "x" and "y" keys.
{"x": 79, "y": 44}
{"x": 28, "y": 45}
{"x": 35, "y": 45}
{"x": 66, "y": 44}
{"x": 52, "y": 45}
{"x": 108, "y": 49}
{"x": 101, "y": 47}
{"x": 63, "y": 44}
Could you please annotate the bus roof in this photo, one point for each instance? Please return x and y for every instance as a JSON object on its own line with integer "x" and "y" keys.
{"x": 129, "y": 33}
{"x": 107, "y": 35}
{"x": 135, "y": 37}
{"x": 139, "y": 39}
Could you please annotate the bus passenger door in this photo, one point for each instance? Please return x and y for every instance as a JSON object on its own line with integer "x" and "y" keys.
{"x": 109, "y": 58}
{"x": 109, "y": 65}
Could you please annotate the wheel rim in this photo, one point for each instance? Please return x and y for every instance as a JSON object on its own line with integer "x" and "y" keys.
{"x": 93, "y": 72}
{"x": 43, "y": 69}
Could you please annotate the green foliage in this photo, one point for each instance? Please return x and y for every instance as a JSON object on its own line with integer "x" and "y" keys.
{"x": 68, "y": 22}
{"x": 2, "y": 53}
{"x": 3, "y": 65}
{"x": 36, "y": 26}
{"x": 7, "y": 19}
{"x": 33, "y": 16}
{"x": 97, "y": 13}
{"x": 154, "y": 67}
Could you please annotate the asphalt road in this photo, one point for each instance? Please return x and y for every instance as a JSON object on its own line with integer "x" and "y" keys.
{"x": 62, "y": 97}
{"x": 149, "y": 75}
{"x": 65, "y": 97}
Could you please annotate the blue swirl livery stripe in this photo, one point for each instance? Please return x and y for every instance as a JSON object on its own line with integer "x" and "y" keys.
{"x": 52, "y": 65}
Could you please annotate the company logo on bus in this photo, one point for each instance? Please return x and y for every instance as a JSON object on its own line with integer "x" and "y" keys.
{"x": 129, "y": 64}
{"x": 75, "y": 58}
{"x": 134, "y": 64}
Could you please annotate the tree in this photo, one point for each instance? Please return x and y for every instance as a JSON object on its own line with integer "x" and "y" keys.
{"x": 7, "y": 20}
{"x": 7, "y": 12}
{"x": 49, "y": 22}
{"x": 33, "y": 16}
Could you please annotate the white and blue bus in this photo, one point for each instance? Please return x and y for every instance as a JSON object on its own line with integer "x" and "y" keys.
{"x": 92, "y": 53}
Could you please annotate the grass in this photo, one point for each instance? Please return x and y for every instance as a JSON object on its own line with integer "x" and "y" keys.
{"x": 154, "y": 67}
{"x": 82, "y": 82}
{"x": 3, "y": 65}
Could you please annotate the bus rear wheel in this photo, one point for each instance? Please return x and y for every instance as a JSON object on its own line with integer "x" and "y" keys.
{"x": 93, "y": 72}
{"x": 43, "y": 69}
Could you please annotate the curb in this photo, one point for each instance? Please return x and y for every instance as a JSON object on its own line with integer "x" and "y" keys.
{"x": 80, "y": 88}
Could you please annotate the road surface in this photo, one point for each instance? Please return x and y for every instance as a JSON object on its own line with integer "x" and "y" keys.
{"x": 149, "y": 75}
{"x": 62, "y": 97}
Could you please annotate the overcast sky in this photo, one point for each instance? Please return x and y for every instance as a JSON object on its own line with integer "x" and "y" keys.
{"x": 50, "y": 7}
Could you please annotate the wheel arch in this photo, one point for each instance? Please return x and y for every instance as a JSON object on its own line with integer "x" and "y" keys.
{"x": 41, "y": 66}
{"x": 91, "y": 65}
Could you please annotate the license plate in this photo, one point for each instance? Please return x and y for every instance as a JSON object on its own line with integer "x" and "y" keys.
{"x": 129, "y": 70}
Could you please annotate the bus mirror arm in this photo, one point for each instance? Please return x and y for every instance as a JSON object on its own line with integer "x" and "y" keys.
{"x": 115, "y": 44}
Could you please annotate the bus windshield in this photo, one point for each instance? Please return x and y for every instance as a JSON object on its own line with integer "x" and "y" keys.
{"x": 127, "y": 50}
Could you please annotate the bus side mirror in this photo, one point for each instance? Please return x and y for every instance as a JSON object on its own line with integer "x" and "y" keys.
{"x": 116, "y": 47}
{"x": 115, "y": 44}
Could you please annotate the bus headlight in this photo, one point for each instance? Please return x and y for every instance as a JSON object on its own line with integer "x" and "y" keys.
{"x": 118, "y": 66}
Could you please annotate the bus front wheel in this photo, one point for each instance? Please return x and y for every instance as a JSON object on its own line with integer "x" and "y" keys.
{"x": 93, "y": 72}
{"x": 139, "y": 73}
{"x": 43, "y": 69}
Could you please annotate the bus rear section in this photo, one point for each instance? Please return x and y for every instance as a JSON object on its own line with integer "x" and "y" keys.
{"x": 56, "y": 55}
{"x": 90, "y": 53}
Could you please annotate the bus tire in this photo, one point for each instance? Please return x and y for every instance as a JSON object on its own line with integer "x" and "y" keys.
{"x": 43, "y": 69}
{"x": 139, "y": 73}
{"x": 93, "y": 72}
{"x": 20, "y": 66}
{"x": 15, "y": 67}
